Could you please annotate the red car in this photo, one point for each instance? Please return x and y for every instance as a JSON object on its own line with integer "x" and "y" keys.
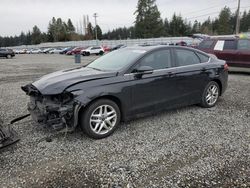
{"x": 76, "y": 50}
{"x": 235, "y": 51}
{"x": 106, "y": 48}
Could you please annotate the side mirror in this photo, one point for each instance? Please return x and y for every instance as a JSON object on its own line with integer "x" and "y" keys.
{"x": 143, "y": 70}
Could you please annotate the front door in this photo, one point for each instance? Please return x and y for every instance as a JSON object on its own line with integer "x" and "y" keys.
{"x": 151, "y": 92}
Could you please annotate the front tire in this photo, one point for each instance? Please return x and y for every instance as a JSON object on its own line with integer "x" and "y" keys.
{"x": 100, "y": 119}
{"x": 8, "y": 56}
{"x": 210, "y": 95}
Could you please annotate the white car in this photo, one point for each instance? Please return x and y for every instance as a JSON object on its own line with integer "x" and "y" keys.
{"x": 46, "y": 50}
{"x": 98, "y": 50}
{"x": 55, "y": 51}
{"x": 36, "y": 51}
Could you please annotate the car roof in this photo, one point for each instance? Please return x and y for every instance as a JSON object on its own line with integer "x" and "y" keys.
{"x": 226, "y": 38}
{"x": 151, "y": 48}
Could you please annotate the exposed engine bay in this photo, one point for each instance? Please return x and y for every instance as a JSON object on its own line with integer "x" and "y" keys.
{"x": 55, "y": 111}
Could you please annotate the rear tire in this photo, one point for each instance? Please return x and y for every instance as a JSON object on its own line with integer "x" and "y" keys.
{"x": 210, "y": 95}
{"x": 100, "y": 119}
{"x": 101, "y": 53}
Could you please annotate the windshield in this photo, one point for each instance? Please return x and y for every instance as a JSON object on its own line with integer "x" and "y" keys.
{"x": 116, "y": 60}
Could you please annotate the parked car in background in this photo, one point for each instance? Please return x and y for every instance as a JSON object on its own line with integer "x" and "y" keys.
{"x": 181, "y": 43}
{"x": 20, "y": 51}
{"x": 65, "y": 50}
{"x": 125, "y": 84}
{"x": 118, "y": 47}
{"x": 36, "y": 51}
{"x": 76, "y": 50}
{"x": 98, "y": 50}
{"x": 106, "y": 48}
{"x": 235, "y": 51}
{"x": 46, "y": 50}
{"x": 8, "y": 53}
{"x": 55, "y": 50}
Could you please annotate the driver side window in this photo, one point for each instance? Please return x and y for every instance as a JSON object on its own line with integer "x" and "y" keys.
{"x": 157, "y": 60}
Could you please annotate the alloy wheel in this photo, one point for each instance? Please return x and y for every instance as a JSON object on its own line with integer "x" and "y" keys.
{"x": 212, "y": 94}
{"x": 103, "y": 119}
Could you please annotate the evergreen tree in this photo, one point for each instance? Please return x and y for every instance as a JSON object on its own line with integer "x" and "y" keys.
{"x": 148, "y": 20}
{"x": 177, "y": 26}
{"x": 207, "y": 27}
{"x": 245, "y": 22}
{"x": 90, "y": 32}
{"x": 99, "y": 32}
{"x": 224, "y": 26}
{"x": 196, "y": 27}
{"x": 70, "y": 26}
{"x": 36, "y": 35}
{"x": 166, "y": 27}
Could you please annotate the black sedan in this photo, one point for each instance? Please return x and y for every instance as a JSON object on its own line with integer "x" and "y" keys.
{"x": 8, "y": 53}
{"x": 125, "y": 84}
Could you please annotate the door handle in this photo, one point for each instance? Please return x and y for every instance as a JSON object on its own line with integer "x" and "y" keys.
{"x": 171, "y": 74}
{"x": 203, "y": 69}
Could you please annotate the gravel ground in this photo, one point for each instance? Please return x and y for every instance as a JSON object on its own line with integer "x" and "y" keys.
{"x": 187, "y": 147}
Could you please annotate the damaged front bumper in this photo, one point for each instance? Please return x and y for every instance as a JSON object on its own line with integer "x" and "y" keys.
{"x": 55, "y": 111}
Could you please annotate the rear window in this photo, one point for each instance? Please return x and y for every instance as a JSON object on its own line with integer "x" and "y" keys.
{"x": 206, "y": 44}
{"x": 186, "y": 57}
{"x": 229, "y": 45}
{"x": 203, "y": 58}
{"x": 244, "y": 45}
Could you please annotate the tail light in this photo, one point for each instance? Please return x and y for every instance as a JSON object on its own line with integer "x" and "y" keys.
{"x": 225, "y": 66}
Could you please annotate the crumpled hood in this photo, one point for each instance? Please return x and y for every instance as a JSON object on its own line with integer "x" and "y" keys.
{"x": 57, "y": 82}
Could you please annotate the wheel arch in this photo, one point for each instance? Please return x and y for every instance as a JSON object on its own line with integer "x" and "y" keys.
{"x": 109, "y": 97}
{"x": 219, "y": 83}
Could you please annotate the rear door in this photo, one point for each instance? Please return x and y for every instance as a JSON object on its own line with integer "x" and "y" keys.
{"x": 227, "y": 50}
{"x": 192, "y": 75}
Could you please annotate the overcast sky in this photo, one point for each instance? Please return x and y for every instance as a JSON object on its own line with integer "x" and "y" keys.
{"x": 22, "y": 15}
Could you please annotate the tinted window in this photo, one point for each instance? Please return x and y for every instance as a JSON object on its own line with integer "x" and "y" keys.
{"x": 244, "y": 44}
{"x": 229, "y": 45}
{"x": 206, "y": 44}
{"x": 186, "y": 57}
{"x": 203, "y": 58}
{"x": 157, "y": 60}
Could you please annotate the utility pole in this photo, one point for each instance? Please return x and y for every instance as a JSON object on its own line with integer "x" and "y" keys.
{"x": 237, "y": 29}
{"x": 95, "y": 16}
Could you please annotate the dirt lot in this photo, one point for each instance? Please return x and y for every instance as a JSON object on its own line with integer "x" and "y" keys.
{"x": 187, "y": 147}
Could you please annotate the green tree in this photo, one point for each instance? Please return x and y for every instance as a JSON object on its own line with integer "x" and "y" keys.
{"x": 166, "y": 27}
{"x": 245, "y": 22}
{"x": 36, "y": 35}
{"x": 99, "y": 32}
{"x": 90, "y": 32}
{"x": 196, "y": 27}
{"x": 70, "y": 26}
{"x": 52, "y": 30}
{"x": 224, "y": 26}
{"x": 148, "y": 20}
{"x": 207, "y": 27}
{"x": 177, "y": 26}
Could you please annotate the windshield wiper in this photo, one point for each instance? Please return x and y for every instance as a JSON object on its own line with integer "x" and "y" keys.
{"x": 95, "y": 68}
